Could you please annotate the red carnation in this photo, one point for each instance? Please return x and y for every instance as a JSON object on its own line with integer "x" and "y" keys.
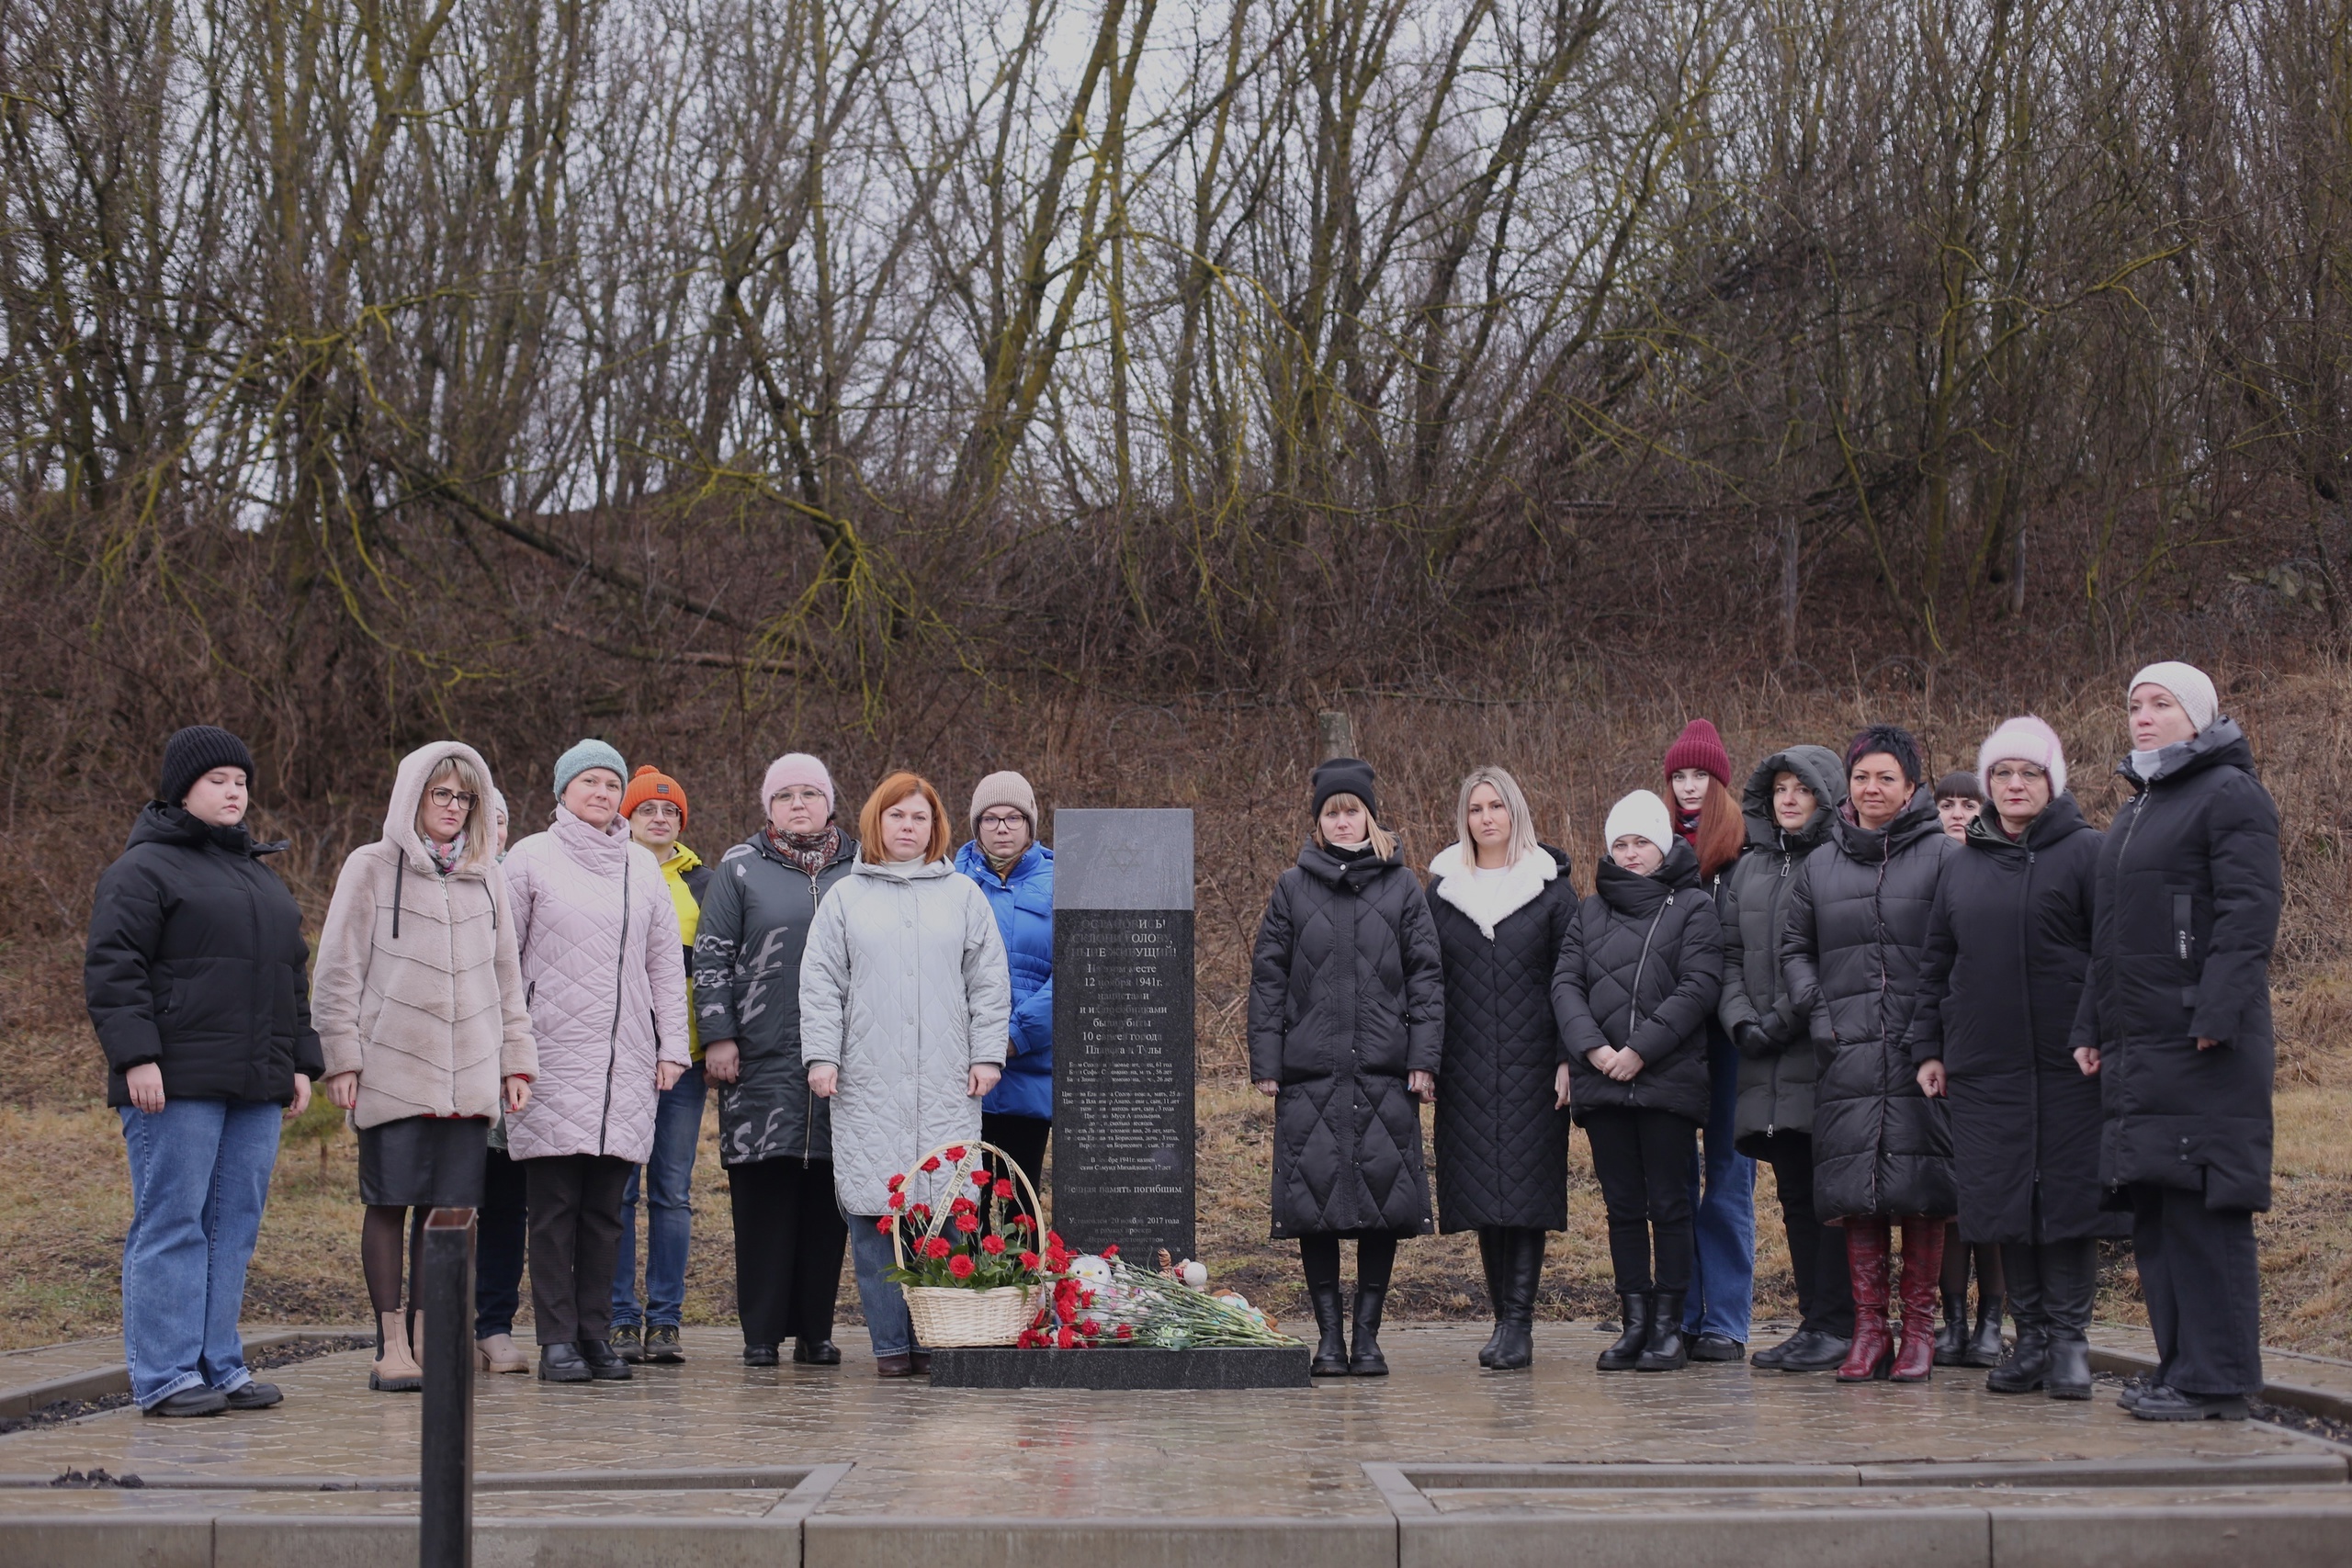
{"x": 937, "y": 1246}
{"x": 1025, "y": 1222}
{"x": 955, "y": 1151}
{"x": 979, "y": 1178}
{"x": 1112, "y": 1251}
{"x": 960, "y": 1265}
{"x": 1029, "y": 1260}
{"x": 1126, "y": 1332}
{"x": 967, "y": 1223}
{"x": 1089, "y": 1327}
{"x": 1003, "y": 1188}
{"x": 884, "y": 1224}
{"x": 963, "y": 1206}
{"x": 1067, "y": 1339}
{"x": 992, "y": 1245}
{"x": 898, "y": 1181}
{"x": 931, "y": 1164}
{"x": 898, "y": 1201}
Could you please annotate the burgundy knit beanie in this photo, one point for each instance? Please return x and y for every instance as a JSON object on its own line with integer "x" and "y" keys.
{"x": 1700, "y": 747}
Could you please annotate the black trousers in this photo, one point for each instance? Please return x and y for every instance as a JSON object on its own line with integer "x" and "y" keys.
{"x": 1024, "y": 1138}
{"x": 1643, "y": 1158}
{"x": 2051, "y": 1285}
{"x": 789, "y": 1235}
{"x": 1816, "y": 1251}
{"x": 499, "y": 1240}
{"x": 2203, "y": 1286}
{"x": 575, "y": 1243}
{"x": 1318, "y": 1257}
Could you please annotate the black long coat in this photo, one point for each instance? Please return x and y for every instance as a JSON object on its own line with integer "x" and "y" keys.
{"x": 195, "y": 962}
{"x": 1502, "y": 1148}
{"x": 2187, "y": 894}
{"x": 2008, "y": 948}
{"x": 1641, "y": 968}
{"x": 756, "y": 917}
{"x": 1347, "y": 995}
{"x": 1854, "y": 950}
{"x": 1775, "y": 1083}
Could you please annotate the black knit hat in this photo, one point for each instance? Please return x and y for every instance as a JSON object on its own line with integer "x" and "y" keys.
{"x": 194, "y": 752}
{"x": 1345, "y": 775}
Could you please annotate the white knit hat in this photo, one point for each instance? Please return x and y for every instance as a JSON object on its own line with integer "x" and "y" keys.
{"x": 2189, "y": 687}
{"x": 1643, "y": 814}
{"x": 2024, "y": 739}
{"x": 795, "y": 768}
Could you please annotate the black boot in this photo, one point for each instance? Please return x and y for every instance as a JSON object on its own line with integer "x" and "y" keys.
{"x": 1951, "y": 1335}
{"x": 1633, "y": 1335}
{"x": 2070, "y": 1366}
{"x": 2028, "y": 1366}
{"x": 1985, "y": 1347}
{"x": 1365, "y": 1359}
{"x": 1523, "y": 1272}
{"x": 1332, "y": 1349}
{"x": 1493, "y": 1252}
{"x": 1666, "y": 1352}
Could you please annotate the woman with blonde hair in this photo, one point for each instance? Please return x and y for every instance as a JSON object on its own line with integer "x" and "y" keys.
{"x": 418, "y": 999}
{"x": 1502, "y": 903}
{"x": 906, "y": 1002}
{"x": 1347, "y": 1024}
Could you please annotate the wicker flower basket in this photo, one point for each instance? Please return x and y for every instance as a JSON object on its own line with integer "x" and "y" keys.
{"x": 950, "y": 1315}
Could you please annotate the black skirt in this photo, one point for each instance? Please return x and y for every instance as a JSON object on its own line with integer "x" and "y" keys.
{"x": 424, "y": 1162}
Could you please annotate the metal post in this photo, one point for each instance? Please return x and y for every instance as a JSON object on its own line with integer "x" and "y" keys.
{"x": 446, "y": 1461}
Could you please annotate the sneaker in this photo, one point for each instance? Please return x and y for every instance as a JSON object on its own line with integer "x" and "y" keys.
{"x": 255, "y": 1395}
{"x": 196, "y": 1401}
{"x": 629, "y": 1342}
{"x": 661, "y": 1345}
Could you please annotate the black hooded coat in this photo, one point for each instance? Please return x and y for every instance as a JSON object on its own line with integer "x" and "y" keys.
{"x": 1640, "y": 969}
{"x": 1854, "y": 950}
{"x": 1776, "y": 1084}
{"x": 2008, "y": 948}
{"x": 1347, "y": 997}
{"x": 1502, "y": 1146}
{"x": 195, "y": 962}
{"x": 2187, "y": 899}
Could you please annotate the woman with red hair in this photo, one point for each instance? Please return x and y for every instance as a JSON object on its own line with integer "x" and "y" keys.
{"x": 1723, "y": 1185}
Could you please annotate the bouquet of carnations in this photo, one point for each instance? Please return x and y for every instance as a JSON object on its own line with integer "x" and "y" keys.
{"x": 1104, "y": 1301}
{"x": 971, "y": 1271}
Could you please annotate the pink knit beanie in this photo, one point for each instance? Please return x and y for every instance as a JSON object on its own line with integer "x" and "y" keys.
{"x": 2025, "y": 739}
{"x": 795, "y": 768}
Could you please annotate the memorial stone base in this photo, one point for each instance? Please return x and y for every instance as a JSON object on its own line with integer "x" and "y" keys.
{"x": 1134, "y": 1367}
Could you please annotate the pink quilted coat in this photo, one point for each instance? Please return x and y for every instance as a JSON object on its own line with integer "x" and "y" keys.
{"x": 608, "y": 992}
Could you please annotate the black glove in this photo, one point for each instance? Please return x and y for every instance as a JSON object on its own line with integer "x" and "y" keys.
{"x": 1751, "y": 1040}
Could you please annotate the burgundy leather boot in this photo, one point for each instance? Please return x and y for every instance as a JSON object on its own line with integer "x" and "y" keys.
{"x": 1872, "y": 1351}
{"x": 1923, "y": 1267}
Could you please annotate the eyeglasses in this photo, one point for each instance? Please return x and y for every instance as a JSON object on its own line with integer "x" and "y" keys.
{"x": 2018, "y": 773}
{"x": 662, "y": 809}
{"x": 1002, "y": 819}
{"x": 445, "y": 797}
{"x": 800, "y": 795}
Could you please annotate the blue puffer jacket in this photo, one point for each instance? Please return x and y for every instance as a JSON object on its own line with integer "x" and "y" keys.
{"x": 1023, "y": 903}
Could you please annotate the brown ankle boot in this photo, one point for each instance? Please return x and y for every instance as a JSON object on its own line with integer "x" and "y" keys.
{"x": 1866, "y": 1269}
{"x": 1923, "y": 1268}
{"x": 395, "y": 1370}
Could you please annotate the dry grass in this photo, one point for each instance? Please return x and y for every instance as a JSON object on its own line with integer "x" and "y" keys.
{"x": 1576, "y": 736}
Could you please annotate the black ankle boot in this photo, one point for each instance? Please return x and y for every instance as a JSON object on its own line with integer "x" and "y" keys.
{"x": 1522, "y": 1274}
{"x": 1666, "y": 1352}
{"x": 1633, "y": 1334}
{"x": 1951, "y": 1335}
{"x": 1494, "y": 1255}
{"x": 1331, "y": 1348}
{"x": 1985, "y": 1347}
{"x": 1364, "y": 1360}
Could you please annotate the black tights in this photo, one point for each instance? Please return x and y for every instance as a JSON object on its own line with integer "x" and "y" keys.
{"x": 379, "y": 1250}
{"x": 1375, "y": 1257}
{"x": 1991, "y": 1281}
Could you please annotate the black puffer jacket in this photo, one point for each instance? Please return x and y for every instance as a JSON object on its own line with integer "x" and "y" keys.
{"x": 2008, "y": 945}
{"x": 195, "y": 962}
{"x": 2189, "y": 896}
{"x": 1346, "y": 998}
{"x": 1775, "y": 1085}
{"x": 1853, "y": 950}
{"x": 1502, "y": 1148}
{"x": 755, "y": 917}
{"x": 1641, "y": 968}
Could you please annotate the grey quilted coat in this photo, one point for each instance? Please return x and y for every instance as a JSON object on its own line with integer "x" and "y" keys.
{"x": 1640, "y": 968}
{"x": 1502, "y": 1148}
{"x": 1347, "y": 997}
{"x": 756, "y": 914}
{"x": 1775, "y": 1085}
{"x": 905, "y": 989}
{"x": 597, "y": 936}
{"x": 1855, "y": 951}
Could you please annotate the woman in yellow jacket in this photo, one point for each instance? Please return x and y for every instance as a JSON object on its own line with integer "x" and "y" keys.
{"x": 655, "y": 807}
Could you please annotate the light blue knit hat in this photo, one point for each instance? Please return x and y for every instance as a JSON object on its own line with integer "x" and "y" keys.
{"x": 588, "y": 753}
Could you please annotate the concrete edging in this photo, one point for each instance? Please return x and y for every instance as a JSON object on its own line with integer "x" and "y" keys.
{"x": 98, "y": 1383}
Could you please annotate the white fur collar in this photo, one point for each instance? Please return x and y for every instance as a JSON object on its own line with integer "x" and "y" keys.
{"x": 1490, "y": 900}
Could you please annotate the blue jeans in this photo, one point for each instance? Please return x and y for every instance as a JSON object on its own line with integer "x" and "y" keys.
{"x": 669, "y": 1174}
{"x": 870, "y": 1254}
{"x": 199, "y": 1175}
{"x": 1723, "y": 1204}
